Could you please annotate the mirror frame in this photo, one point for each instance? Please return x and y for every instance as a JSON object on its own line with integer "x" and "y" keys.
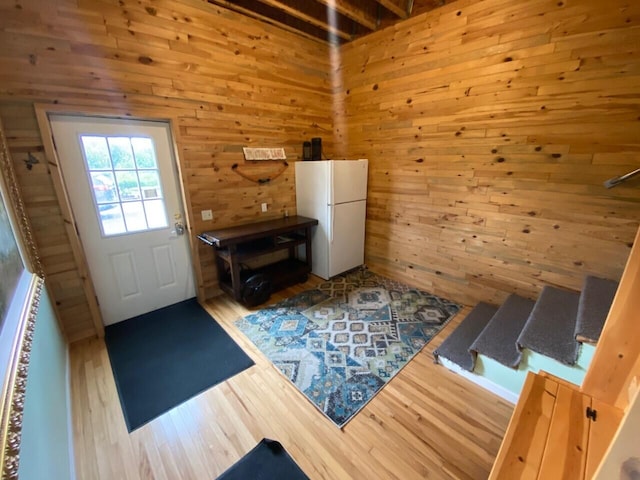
{"x": 17, "y": 329}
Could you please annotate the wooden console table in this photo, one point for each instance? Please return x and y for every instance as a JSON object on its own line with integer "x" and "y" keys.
{"x": 235, "y": 245}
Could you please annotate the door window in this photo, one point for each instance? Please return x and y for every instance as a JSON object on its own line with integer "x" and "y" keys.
{"x": 125, "y": 182}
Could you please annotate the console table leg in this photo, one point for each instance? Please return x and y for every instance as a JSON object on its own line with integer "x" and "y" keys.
{"x": 308, "y": 246}
{"x": 235, "y": 272}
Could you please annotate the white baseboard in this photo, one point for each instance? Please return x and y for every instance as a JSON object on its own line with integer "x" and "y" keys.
{"x": 494, "y": 388}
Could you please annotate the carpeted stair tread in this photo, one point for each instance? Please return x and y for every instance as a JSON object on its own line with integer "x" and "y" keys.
{"x": 593, "y": 308}
{"x": 551, "y": 325}
{"x": 499, "y": 339}
{"x": 455, "y": 347}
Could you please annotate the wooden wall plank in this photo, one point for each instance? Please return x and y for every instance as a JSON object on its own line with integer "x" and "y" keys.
{"x": 62, "y": 276}
{"x": 565, "y": 455}
{"x": 490, "y": 126}
{"x": 615, "y": 369}
{"x": 523, "y": 446}
{"x": 497, "y": 123}
{"x": 601, "y": 434}
{"x": 223, "y": 80}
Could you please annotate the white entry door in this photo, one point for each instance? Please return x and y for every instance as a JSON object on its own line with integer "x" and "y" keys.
{"x": 122, "y": 184}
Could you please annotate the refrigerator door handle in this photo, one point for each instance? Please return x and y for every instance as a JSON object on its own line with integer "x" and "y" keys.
{"x": 330, "y": 185}
{"x": 331, "y": 223}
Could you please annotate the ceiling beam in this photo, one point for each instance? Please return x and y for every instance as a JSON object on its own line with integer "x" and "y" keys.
{"x": 294, "y": 12}
{"x": 401, "y": 11}
{"x": 353, "y": 12}
{"x": 257, "y": 16}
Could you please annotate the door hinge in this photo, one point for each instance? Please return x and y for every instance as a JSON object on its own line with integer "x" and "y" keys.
{"x": 591, "y": 413}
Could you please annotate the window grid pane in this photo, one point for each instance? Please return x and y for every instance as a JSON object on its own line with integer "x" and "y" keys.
{"x": 121, "y": 154}
{"x": 96, "y": 152}
{"x": 125, "y": 182}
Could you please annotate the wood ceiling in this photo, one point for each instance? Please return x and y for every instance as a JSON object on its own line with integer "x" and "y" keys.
{"x": 334, "y": 21}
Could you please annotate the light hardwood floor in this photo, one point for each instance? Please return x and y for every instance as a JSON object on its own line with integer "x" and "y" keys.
{"x": 426, "y": 423}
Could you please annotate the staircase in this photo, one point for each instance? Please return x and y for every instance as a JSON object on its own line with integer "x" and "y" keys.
{"x": 495, "y": 347}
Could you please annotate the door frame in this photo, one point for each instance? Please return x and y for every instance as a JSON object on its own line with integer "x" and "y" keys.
{"x": 135, "y": 113}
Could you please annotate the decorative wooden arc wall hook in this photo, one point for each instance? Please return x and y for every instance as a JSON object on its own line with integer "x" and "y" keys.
{"x": 257, "y": 179}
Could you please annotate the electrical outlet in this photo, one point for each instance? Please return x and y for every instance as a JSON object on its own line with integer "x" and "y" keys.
{"x": 206, "y": 214}
{"x": 264, "y": 207}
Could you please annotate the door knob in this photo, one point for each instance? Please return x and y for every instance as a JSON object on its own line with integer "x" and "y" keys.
{"x": 179, "y": 228}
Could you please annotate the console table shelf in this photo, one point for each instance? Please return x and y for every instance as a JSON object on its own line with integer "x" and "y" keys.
{"x": 283, "y": 274}
{"x": 254, "y": 248}
{"x": 236, "y": 245}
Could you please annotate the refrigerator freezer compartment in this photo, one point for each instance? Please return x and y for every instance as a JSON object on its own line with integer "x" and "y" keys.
{"x": 334, "y": 192}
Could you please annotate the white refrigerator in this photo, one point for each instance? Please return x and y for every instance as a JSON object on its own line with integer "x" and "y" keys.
{"x": 335, "y": 193}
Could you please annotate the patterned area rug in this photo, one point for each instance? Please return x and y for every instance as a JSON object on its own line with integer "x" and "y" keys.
{"x": 342, "y": 342}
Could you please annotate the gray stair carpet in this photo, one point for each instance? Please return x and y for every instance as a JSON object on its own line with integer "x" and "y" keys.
{"x": 593, "y": 308}
{"x": 499, "y": 339}
{"x": 551, "y": 325}
{"x": 455, "y": 347}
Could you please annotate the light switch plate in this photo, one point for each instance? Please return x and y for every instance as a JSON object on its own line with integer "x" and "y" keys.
{"x": 206, "y": 214}
{"x": 264, "y": 207}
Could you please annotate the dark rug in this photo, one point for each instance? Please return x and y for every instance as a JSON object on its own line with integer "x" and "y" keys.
{"x": 341, "y": 343}
{"x": 163, "y": 358}
{"x": 267, "y": 461}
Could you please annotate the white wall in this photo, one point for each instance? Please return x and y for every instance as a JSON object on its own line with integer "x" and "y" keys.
{"x": 623, "y": 457}
{"x": 46, "y": 447}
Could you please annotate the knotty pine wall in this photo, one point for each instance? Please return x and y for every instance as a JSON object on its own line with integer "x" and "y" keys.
{"x": 225, "y": 82}
{"x": 490, "y": 127}
{"x": 63, "y": 278}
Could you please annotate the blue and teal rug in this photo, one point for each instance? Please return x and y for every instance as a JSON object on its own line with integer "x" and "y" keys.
{"x": 342, "y": 342}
